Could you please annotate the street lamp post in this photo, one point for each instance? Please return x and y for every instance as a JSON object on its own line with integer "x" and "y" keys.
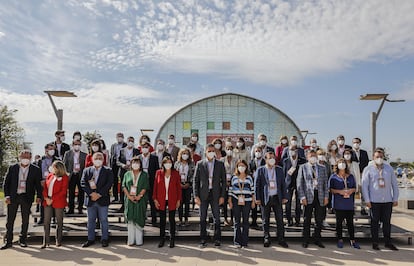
{"x": 305, "y": 133}
{"x": 375, "y": 115}
{"x": 58, "y": 112}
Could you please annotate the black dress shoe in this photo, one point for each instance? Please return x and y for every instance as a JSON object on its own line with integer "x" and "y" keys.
{"x": 297, "y": 224}
{"x": 217, "y": 243}
{"x": 80, "y": 211}
{"x": 23, "y": 244}
{"x": 391, "y": 246}
{"x": 266, "y": 243}
{"x": 162, "y": 242}
{"x": 70, "y": 211}
{"x": 6, "y": 246}
{"x": 104, "y": 243}
{"x": 88, "y": 243}
{"x": 305, "y": 245}
{"x": 203, "y": 244}
{"x": 283, "y": 244}
{"x": 364, "y": 212}
{"x": 290, "y": 223}
{"x": 40, "y": 222}
{"x": 319, "y": 244}
{"x": 172, "y": 243}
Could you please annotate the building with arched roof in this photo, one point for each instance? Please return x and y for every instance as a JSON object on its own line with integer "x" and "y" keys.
{"x": 229, "y": 115}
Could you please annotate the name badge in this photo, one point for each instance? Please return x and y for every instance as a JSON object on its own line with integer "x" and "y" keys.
{"x": 210, "y": 182}
{"x": 133, "y": 191}
{"x": 77, "y": 167}
{"x": 228, "y": 176}
{"x": 381, "y": 182}
{"x": 241, "y": 200}
{"x": 315, "y": 183}
{"x": 272, "y": 184}
{"x": 22, "y": 184}
{"x": 291, "y": 170}
{"x": 92, "y": 184}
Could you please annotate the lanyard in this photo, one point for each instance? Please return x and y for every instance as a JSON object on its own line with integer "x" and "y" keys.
{"x": 135, "y": 181}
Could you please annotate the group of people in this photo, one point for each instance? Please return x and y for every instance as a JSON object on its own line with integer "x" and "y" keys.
{"x": 224, "y": 176}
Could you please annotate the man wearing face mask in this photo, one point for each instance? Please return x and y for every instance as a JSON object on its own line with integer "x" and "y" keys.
{"x": 199, "y": 148}
{"x": 262, "y": 143}
{"x": 115, "y": 151}
{"x": 312, "y": 186}
{"x": 124, "y": 163}
{"x": 96, "y": 182}
{"x": 380, "y": 191}
{"x": 341, "y": 144}
{"x": 361, "y": 157}
{"x": 290, "y": 169}
{"x": 160, "y": 151}
{"x": 78, "y": 136}
{"x": 271, "y": 194}
{"x": 313, "y": 144}
{"x": 150, "y": 165}
{"x": 172, "y": 148}
{"x": 255, "y": 163}
{"x": 21, "y": 183}
{"x": 60, "y": 146}
{"x": 74, "y": 161}
{"x": 210, "y": 189}
{"x": 293, "y": 143}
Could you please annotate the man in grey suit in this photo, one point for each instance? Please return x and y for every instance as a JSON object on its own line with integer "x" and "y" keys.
{"x": 312, "y": 186}
{"x": 74, "y": 161}
{"x": 210, "y": 189}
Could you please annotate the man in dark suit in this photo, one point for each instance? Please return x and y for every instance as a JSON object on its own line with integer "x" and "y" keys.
{"x": 293, "y": 143}
{"x": 290, "y": 171}
{"x": 60, "y": 146}
{"x": 172, "y": 148}
{"x": 115, "y": 151}
{"x": 124, "y": 163}
{"x": 210, "y": 189}
{"x": 150, "y": 166}
{"x": 341, "y": 144}
{"x": 361, "y": 156}
{"x": 257, "y": 161}
{"x": 312, "y": 186}
{"x": 96, "y": 181}
{"x": 21, "y": 183}
{"x": 271, "y": 193}
{"x": 74, "y": 161}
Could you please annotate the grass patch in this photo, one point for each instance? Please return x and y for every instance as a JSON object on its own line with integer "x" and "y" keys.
{"x": 1, "y": 194}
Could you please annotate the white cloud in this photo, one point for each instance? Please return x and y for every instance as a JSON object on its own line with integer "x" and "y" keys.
{"x": 407, "y": 92}
{"x": 2, "y": 34}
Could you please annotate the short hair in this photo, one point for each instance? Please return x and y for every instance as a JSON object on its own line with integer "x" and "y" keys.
{"x": 261, "y": 135}
{"x": 358, "y": 139}
{"x": 320, "y": 152}
{"x": 58, "y": 132}
{"x": 131, "y": 137}
{"x": 76, "y": 133}
{"x": 379, "y": 150}
{"x": 98, "y": 153}
{"x": 171, "y": 136}
{"x": 76, "y": 141}
{"x": 210, "y": 145}
{"x": 269, "y": 153}
{"x": 340, "y": 137}
{"x": 60, "y": 168}
{"x": 236, "y": 170}
{"x": 24, "y": 152}
{"x": 258, "y": 148}
{"x": 120, "y": 134}
{"x": 50, "y": 144}
{"x": 161, "y": 140}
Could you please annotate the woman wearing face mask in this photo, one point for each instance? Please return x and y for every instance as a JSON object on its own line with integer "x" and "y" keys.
{"x": 95, "y": 147}
{"x": 185, "y": 168}
{"x": 229, "y": 165}
{"x": 218, "y": 148}
{"x": 240, "y": 152}
{"x": 54, "y": 194}
{"x": 135, "y": 185}
{"x": 145, "y": 139}
{"x": 167, "y": 194}
{"x": 241, "y": 192}
{"x": 199, "y": 149}
{"x": 332, "y": 154}
{"x": 342, "y": 185}
{"x": 279, "y": 149}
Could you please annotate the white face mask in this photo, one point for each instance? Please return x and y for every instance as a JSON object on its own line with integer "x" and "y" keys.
{"x": 194, "y": 139}
{"x": 76, "y": 147}
{"x": 347, "y": 157}
{"x": 185, "y": 157}
{"x": 312, "y": 160}
{"x": 167, "y": 166}
{"x": 258, "y": 154}
{"x": 51, "y": 152}
{"x": 25, "y": 162}
{"x": 321, "y": 158}
{"x": 262, "y": 143}
{"x": 356, "y": 146}
{"x": 228, "y": 143}
{"x": 272, "y": 161}
{"x": 160, "y": 147}
{"x": 313, "y": 145}
{"x": 229, "y": 152}
{"x": 95, "y": 148}
{"x": 77, "y": 137}
{"x": 170, "y": 141}
{"x": 145, "y": 150}
{"x": 217, "y": 146}
{"x": 130, "y": 144}
{"x": 334, "y": 147}
{"x": 62, "y": 138}
{"x": 211, "y": 154}
{"x": 379, "y": 161}
{"x": 284, "y": 141}
{"x": 51, "y": 170}
{"x": 120, "y": 140}
{"x": 97, "y": 163}
{"x": 135, "y": 166}
{"x": 239, "y": 144}
{"x": 341, "y": 166}
{"x": 341, "y": 142}
{"x": 293, "y": 142}
{"x": 241, "y": 169}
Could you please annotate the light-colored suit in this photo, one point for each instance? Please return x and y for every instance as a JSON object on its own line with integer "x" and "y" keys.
{"x": 304, "y": 183}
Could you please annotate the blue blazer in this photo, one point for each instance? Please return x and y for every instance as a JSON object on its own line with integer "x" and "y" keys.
{"x": 105, "y": 181}
{"x": 261, "y": 185}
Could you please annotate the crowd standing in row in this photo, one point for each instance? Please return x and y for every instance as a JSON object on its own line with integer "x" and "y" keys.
{"x": 229, "y": 177}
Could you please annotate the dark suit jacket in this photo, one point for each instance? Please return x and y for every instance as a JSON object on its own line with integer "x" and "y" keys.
{"x": 285, "y": 154}
{"x": 291, "y": 179}
{"x": 112, "y": 160}
{"x": 33, "y": 186}
{"x": 63, "y": 149}
{"x": 261, "y": 185}
{"x": 174, "y": 152}
{"x": 121, "y": 161}
{"x": 104, "y": 184}
{"x": 153, "y": 166}
{"x": 200, "y": 183}
{"x": 69, "y": 163}
{"x": 253, "y": 167}
{"x": 363, "y": 159}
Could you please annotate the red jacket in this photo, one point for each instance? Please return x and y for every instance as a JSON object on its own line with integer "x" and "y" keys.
{"x": 174, "y": 189}
{"x": 59, "y": 194}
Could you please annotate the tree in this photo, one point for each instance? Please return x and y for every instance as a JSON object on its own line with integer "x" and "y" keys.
{"x": 11, "y": 139}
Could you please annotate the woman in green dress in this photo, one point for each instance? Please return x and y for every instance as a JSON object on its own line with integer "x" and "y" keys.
{"x": 135, "y": 185}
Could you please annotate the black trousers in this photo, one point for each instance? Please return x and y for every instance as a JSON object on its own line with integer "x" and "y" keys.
{"x": 115, "y": 170}
{"x": 184, "y": 209}
{"x": 381, "y": 212}
{"x": 74, "y": 182}
{"x": 288, "y": 207}
{"x": 163, "y": 220}
{"x": 275, "y": 205}
{"x": 318, "y": 210}
{"x": 347, "y": 215}
{"x": 25, "y": 204}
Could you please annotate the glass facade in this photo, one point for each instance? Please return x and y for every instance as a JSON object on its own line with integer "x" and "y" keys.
{"x": 231, "y": 115}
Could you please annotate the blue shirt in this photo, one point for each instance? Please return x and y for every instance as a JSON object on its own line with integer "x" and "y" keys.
{"x": 235, "y": 187}
{"x": 271, "y": 177}
{"x": 371, "y": 189}
{"x": 338, "y": 201}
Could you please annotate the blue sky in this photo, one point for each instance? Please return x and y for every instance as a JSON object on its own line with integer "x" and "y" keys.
{"x": 134, "y": 63}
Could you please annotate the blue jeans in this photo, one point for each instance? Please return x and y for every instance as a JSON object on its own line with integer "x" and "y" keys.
{"x": 94, "y": 212}
{"x": 241, "y": 222}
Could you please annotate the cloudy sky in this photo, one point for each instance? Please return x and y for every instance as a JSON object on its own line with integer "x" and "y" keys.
{"x": 134, "y": 63}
